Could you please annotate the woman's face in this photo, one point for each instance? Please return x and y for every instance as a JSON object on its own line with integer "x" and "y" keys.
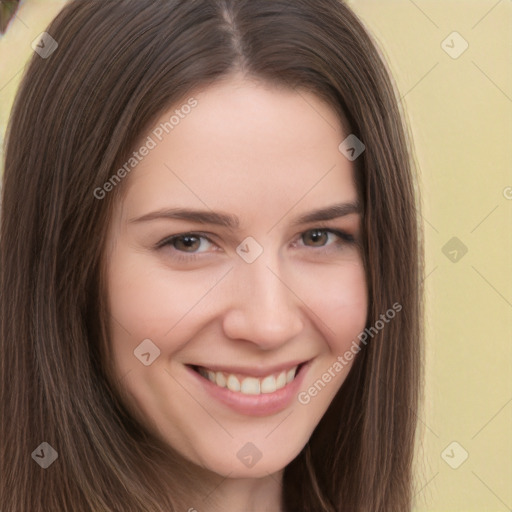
{"x": 215, "y": 265}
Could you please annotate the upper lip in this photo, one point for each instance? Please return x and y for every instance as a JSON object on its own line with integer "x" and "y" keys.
{"x": 256, "y": 371}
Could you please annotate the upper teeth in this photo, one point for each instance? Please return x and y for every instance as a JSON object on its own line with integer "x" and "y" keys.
{"x": 250, "y": 385}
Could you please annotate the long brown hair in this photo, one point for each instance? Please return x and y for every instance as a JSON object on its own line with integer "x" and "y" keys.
{"x": 76, "y": 117}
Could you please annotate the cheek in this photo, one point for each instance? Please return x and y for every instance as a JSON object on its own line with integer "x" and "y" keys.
{"x": 143, "y": 294}
{"x": 148, "y": 300}
{"x": 338, "y": 297}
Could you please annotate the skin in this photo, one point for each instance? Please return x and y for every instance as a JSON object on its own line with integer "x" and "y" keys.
{"x": 266, "y": 155}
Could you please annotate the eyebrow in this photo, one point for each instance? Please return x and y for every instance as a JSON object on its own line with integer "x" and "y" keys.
{"x": 232, "y": 222}
{"x": 330, "y": 212}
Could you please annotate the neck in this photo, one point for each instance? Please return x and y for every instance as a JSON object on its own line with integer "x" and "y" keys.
{"x": 247, "y": 494}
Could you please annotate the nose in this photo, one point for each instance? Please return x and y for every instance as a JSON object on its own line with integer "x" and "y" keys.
{"x": 263, "y": 308}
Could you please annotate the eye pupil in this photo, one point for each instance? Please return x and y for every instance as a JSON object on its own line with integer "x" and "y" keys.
{"x": 316, "y": 236}
{"x": 188, "y": 242}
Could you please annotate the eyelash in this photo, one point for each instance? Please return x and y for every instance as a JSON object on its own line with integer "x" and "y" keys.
{"x": 182, "y": 256}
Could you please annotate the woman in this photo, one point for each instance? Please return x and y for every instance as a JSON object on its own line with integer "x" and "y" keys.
{"x": 211, "y": 265}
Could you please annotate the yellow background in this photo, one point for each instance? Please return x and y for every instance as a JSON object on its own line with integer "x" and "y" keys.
{"x": 460, "y": 114}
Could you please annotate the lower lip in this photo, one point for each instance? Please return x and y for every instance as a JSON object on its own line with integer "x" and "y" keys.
{"x": 263, "y": 404}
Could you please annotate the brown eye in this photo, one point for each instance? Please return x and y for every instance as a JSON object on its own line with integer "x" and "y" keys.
{"x": 319, "y": 237}
{"x": 186, "y": 247}
{"x": 328, "y": 238}
{"x": 187, "y": 243}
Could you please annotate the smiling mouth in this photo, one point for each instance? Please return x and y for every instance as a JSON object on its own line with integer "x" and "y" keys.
{"x": 249, "y": 385}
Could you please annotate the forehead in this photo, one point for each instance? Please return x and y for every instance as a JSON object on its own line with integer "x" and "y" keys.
{"x": 247, "y": 146}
